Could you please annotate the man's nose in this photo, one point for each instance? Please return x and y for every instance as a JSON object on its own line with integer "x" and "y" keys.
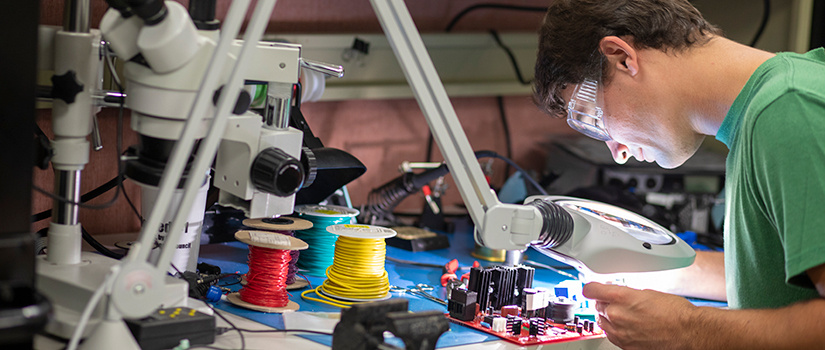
{"x": 619, "y": 151}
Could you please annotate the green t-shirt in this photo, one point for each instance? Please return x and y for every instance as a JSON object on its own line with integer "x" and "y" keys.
{"x": 775, "y": 182}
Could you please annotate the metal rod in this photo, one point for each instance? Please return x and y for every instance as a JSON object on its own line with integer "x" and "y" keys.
{"x": 76, "y": 16}
{"x": 67, "y": 186}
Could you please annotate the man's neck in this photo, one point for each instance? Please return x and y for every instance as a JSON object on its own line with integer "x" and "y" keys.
{"x": 719, "y": 71}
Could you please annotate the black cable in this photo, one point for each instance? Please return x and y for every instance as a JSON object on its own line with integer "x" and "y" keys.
{"x": 463, "y": 13}
{"x": 215, "y": 311}
{"x": 766, "y": 13}
{"x": 483, "y": 154}
{"x": 99, "y": 247}
{"x": 492, "y": 6}
{"x": 505, "y": 126}
{"x": 512, "y": 58}
{"x": 84, "y": 198}
{"x": 413, "y": 263}
{"x": 282, "y": 331}
{"x": 430, "y": 141}
{"x": 132, "y": 205}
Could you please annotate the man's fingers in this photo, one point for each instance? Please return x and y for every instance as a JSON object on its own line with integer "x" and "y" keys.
{"x": 602, "y": 292}
{"x": 601, "y": 308}
{"x": 608, "y": 329}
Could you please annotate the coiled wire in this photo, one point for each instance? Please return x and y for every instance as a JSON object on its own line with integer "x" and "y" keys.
{"x": 266, "y": 279}
{"x": 319, "y": 256}
{"x": 357, "y": 275}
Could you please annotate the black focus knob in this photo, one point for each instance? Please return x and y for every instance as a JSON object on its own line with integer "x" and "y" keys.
{"x": 66, "y": 86}
{"x": 151, "y": 11}
{"x": 276, "y": 172}
{"x": 310, "y": 164}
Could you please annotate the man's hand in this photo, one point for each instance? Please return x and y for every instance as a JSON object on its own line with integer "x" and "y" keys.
{"x": 642, "y": 319}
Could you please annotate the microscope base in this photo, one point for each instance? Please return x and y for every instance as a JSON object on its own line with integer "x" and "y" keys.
{"x": 69, "y": 288}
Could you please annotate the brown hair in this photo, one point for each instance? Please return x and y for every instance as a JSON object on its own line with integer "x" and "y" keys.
{"x": 569, "y": 39}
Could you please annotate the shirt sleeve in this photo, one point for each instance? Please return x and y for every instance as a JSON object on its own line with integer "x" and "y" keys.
{"x": 788, "y": 150}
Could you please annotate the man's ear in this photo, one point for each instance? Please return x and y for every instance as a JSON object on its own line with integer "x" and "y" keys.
{"x": 620, "y": 54}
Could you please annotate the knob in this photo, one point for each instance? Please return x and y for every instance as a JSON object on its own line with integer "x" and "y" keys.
{"x": 66, "y": 86}
{"x": 310, "y": 164}
{"x": 276, "y": 172}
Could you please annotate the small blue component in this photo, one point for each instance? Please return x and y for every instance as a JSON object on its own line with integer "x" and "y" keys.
{"x": 213, "y": 294}
{"x": 561, "y": 292}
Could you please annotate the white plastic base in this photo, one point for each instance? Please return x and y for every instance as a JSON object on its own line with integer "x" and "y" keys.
{"x": 69, "y": 288}
{"x": 110, "y": 334}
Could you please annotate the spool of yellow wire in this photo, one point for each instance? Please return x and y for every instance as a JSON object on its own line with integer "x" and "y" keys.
{"x": 357, "y": 273}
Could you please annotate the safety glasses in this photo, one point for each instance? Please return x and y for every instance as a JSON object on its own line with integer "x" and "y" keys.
{"x": 584, "y": 111}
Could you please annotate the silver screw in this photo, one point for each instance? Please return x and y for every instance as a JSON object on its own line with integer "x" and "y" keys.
{"x": 504, "y": 227}
{"x": 139, "y": 289}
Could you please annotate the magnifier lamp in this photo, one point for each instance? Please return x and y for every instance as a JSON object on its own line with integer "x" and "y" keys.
{"x": 588, "y": 235}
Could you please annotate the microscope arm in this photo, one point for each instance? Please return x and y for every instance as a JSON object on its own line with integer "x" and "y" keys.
{"x": 498, "y": 225}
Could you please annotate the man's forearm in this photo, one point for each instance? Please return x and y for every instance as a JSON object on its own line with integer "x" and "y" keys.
{"x": 705, "y": 278}
{"x": 799, "y": 326}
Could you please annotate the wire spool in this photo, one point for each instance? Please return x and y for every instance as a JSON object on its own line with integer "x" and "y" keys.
{"x": 269, "y": 257}
{"x": 315, "y": 260}
{"x": 282, "y": 223}
{"x": 286, "y": 226}
{"x": 358, "y": 273}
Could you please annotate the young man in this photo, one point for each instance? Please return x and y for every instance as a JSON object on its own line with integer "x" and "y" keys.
{"x": 652, "y": 78}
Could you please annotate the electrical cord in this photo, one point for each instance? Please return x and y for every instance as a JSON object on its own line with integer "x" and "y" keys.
{"x": 382, "y": 200}
{"x": 232, "y": 325}
{"x": 512, "y": 58}
{"x": 505, "y": 128}
{"x": 226, "y": 329}
{"x": 97, "y": 246}
{"x": 467, "y": 10}
{"x": 766, "y": 14}
{"x": 414, "y": 263}
{"x": 483, "y": 154}
{"x": 92, "y": 195}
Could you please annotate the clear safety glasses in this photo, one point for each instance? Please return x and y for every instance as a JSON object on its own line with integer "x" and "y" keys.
{"x": 584, "y": 111}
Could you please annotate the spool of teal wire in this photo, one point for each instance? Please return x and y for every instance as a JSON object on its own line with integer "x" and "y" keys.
{"x": 315, "y": 260}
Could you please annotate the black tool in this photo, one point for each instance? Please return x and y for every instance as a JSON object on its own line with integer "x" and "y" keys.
{"x": 362, "y": 326}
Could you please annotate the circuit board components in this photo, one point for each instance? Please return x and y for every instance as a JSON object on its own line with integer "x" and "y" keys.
{"x": 501, "y": 300}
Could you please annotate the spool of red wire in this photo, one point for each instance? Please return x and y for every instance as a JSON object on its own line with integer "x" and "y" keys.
{"x": 284, "y": 226}
{"x": 269, "y": 259}
{"x": 292, "y": 267}
{"x": 267, "y": 277}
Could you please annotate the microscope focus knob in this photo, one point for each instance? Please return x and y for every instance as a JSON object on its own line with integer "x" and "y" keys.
{"x": 310, "y": 163}
{"x": 276, "y": 172}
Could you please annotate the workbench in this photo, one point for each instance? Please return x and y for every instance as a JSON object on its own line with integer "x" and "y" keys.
{"x": 232, "y": 257}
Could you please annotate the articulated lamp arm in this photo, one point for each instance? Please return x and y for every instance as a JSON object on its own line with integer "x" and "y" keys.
{"x": 498, "y": 225}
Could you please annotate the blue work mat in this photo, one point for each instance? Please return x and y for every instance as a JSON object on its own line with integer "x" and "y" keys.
{"x": 232, "y": 257}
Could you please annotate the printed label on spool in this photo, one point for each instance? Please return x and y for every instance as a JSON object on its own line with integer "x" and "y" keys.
{"x": 361, "y": 231}
{"x": 325, "y": 210}
{"x": 269, "y": 238}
